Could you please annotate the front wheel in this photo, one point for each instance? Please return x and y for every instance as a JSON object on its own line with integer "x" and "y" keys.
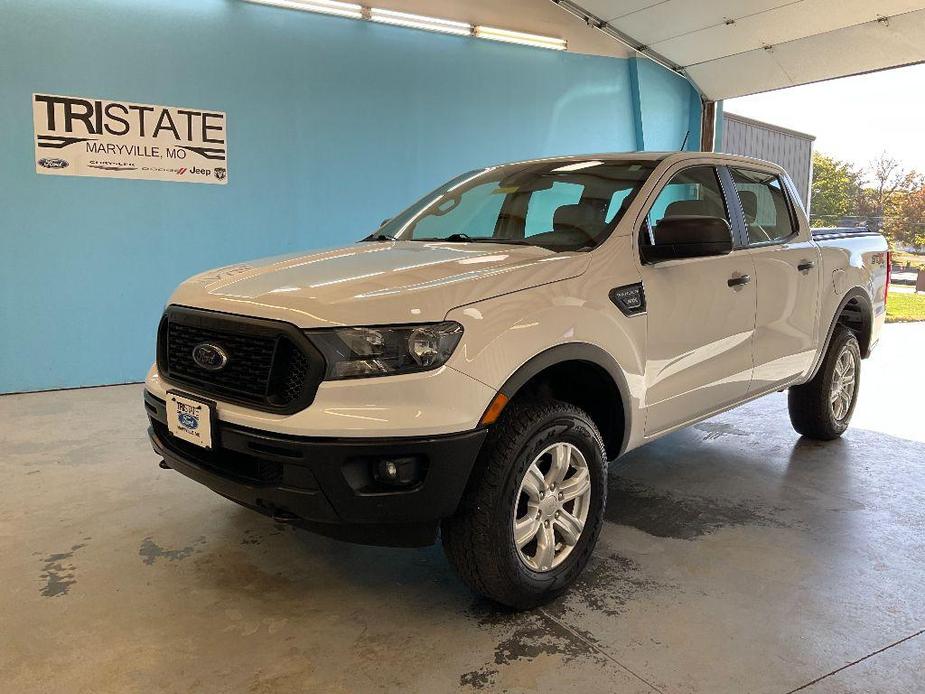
{"x": 821, "y": 408}
{"x": 534, "y": 509}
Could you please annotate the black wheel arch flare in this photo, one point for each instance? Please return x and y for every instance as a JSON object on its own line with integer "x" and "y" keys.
{"x": 577, "y": 352}
{"x": 867, "y": 317}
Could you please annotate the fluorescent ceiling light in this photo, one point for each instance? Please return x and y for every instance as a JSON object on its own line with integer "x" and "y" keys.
{"x": 418, "y": 21}
{"x": 520, "y": 37}
{"x": 341, "y": 9}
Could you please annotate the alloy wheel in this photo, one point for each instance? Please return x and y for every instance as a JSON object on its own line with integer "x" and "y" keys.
{"x": 551, "y": 507}
{"x": 843, "y": 384}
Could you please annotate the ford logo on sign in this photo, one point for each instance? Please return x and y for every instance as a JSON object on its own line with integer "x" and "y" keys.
{"x": 188, "y": 421}
{"x": 53, "y": 163}
{"x": 209, "y": 357}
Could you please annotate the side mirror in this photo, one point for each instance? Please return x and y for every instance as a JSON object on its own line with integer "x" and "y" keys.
{"x": 689, "y": 236}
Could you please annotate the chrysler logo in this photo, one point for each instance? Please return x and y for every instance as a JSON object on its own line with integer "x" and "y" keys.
{"x": 210, "y": 357}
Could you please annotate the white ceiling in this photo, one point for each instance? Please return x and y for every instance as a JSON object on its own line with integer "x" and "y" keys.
{"x": 728, "y": 48}
{"x": 737, "y": 47}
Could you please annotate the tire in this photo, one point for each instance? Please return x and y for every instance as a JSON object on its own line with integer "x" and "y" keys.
{"x": 479, "y": 540}
{"x": 812, "y": 411}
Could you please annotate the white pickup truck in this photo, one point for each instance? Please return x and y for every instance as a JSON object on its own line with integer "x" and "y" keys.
{"x": 468, "y": 370}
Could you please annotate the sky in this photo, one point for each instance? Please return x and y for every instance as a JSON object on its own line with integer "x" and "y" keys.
{"x": 853, "y": 118}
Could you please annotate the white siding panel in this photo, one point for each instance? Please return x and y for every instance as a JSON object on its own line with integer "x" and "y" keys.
{"x": 787, "y": 148}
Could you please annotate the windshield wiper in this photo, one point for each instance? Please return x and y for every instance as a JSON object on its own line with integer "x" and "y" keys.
{"x": 494, "y": 239}
{"x": 465, "y": 238}
{"x": 458, "y": 237}
{"x": 377, "y": 236}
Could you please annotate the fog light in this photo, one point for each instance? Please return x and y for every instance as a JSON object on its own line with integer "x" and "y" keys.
{"x": 398, "y": 472}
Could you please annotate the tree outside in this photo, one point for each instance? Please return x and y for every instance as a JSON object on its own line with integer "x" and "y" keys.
{"x": 908, "y": 225}
{"x": 835, "y": 190}
{"x": 884, "y": 196}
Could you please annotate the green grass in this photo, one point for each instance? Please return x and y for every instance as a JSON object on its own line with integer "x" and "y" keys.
{"x": 902, "y": 307}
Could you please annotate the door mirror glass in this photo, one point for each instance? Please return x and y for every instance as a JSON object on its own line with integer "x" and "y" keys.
{"x": 688, "y": 236}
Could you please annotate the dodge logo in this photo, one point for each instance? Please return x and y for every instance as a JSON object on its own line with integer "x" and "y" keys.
{"x": 210, "y": 357}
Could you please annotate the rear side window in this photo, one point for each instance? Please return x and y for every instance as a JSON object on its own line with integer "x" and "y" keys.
{"x": 768, "y": 215}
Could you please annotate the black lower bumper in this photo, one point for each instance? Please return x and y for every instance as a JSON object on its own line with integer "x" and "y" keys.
{"x": 328, "y": 485}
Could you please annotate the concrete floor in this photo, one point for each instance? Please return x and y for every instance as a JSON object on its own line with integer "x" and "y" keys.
{"x": 737, "y": 558}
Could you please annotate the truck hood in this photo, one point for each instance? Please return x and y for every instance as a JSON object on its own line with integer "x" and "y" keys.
{"x": 376, "y": 283}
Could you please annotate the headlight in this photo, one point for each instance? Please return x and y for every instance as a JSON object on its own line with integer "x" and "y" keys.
{"x": 359, "y": 352}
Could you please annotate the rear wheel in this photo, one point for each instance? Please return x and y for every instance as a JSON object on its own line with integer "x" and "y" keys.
{"x": 532, "y": 514}
{"x": 822, "y": 408}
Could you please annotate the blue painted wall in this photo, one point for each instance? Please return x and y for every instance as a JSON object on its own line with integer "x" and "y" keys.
{"x": 667, "y": 108}
{"x": 333, "y": 124}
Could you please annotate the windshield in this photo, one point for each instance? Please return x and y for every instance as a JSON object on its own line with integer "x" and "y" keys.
{"x": 556, "y": 205}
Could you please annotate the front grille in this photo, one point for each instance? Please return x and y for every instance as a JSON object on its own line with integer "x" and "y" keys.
{"x": 270, "y": 364}
{"x": 249, "y": 363}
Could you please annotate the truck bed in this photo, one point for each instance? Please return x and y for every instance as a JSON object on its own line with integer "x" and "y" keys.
{"x": 826, "y": 233}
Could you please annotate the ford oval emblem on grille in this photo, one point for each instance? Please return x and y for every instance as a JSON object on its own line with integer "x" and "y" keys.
{"x": 210, "y": 357}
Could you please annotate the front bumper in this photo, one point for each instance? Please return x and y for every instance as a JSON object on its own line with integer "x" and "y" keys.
{"x": 325, "y": 484}
{"x": 386, "y": 406}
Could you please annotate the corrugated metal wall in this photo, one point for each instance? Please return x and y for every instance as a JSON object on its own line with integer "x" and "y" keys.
{"x": 788, "y": 148}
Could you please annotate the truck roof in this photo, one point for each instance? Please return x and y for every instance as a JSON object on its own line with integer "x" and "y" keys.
{"x": 651, "y": 157}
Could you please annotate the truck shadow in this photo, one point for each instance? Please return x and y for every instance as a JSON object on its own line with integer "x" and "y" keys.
{"x": 682, "y": 487}
{"x": 665, "y": 499}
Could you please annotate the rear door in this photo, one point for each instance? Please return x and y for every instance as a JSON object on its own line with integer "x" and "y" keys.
{"x": 787, "y": 272}
{"x": 700, "y": 311}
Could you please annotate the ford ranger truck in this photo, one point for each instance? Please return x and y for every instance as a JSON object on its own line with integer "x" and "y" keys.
{"x": 467, "y": 370}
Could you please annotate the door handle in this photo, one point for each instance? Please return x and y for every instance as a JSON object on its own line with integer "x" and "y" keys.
{"x": 806, "y": 265}
{"x": 739, "y": 281}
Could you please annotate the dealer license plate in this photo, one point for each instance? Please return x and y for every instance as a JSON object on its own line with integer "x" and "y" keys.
{"x": 189, "y": 419}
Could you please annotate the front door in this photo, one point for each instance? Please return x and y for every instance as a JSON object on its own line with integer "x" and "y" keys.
{"x": 700, "y": 313}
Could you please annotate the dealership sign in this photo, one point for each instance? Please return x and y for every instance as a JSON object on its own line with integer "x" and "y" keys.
{"x": 77, "y": 136}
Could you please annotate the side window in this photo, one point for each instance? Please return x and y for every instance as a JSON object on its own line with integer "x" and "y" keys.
{"x": 764, "y": 203}
{"x": 694, "y": 191}
{"x": 543, "y": 204}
